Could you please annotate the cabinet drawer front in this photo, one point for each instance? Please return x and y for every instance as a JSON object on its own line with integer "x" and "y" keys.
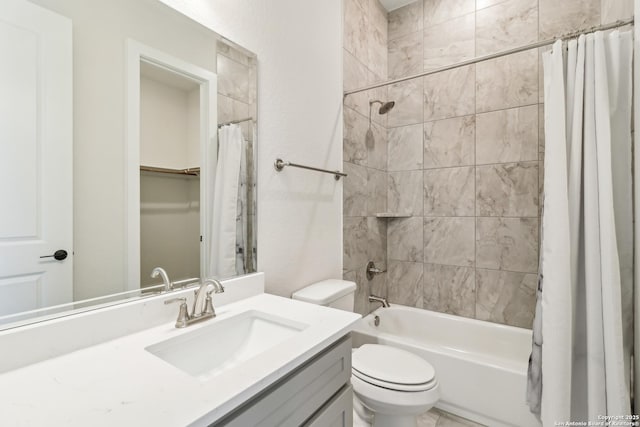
{"x": 338, "y": 412}
{"x": 295, "y": 399}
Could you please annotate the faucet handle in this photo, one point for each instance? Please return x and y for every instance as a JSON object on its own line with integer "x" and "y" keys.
{"x": 208, "y": 305}
{"x": 183, "y": 314}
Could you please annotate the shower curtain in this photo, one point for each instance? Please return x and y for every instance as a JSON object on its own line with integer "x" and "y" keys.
{"x": 580, "y": 364}
{"x": 224, "y": 204}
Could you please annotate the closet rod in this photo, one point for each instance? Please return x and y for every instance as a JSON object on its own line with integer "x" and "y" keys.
{"x": 188, "y": 171}
{"x": 620, "y": 23}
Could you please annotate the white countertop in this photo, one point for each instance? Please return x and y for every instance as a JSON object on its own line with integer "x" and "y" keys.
{"x": 120, "y": 383}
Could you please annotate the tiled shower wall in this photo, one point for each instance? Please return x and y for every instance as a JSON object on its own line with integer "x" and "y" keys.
{"x": 365, "y": 161}
{"x": 465, "y": 151}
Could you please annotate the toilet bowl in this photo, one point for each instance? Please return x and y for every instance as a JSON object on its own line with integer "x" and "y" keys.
{"x": 391, "y": 386}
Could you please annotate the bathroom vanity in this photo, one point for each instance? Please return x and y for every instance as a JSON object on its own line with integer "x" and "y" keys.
{"x": 263, "y": 360}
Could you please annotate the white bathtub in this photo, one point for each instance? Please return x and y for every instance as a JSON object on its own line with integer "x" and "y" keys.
{"x": 481, "y": 366}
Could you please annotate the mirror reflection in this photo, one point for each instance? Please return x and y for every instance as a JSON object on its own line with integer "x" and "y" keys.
{"x": 128, "y": 142}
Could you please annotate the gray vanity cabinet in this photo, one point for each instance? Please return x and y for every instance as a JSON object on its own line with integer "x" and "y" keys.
{"x": 316, "y": 394}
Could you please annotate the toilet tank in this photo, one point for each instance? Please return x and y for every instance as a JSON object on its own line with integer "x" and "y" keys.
{"x": 331, "y": 293}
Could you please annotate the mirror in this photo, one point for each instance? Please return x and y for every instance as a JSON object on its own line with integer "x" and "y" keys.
{"x": 127, "y": 142}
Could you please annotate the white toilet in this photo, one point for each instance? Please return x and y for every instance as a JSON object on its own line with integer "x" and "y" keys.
{"x": 391, "y": 386}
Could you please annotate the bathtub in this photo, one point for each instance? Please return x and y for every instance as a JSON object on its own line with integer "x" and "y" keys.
{"x": 481, "y": 366}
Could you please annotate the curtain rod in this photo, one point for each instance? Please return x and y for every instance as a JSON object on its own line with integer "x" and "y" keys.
{"x": 620, "y": 23}
{"x": 235, "y": 122}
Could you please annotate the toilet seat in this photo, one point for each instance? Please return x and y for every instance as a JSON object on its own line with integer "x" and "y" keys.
{"x": 392, "y": 368}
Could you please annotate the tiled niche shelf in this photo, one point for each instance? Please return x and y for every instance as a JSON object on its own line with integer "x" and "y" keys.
{"x": 392, "y": 215}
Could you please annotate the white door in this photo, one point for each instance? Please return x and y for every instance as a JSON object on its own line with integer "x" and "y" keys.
{"x": 35, "y": 157}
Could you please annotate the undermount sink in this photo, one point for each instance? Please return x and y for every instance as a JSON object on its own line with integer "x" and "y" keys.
{"x": 222, "y": 345}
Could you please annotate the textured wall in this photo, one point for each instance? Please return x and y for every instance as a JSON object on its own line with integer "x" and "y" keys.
{"x": 465, "y": 151}
{"x": 298, "y": 44}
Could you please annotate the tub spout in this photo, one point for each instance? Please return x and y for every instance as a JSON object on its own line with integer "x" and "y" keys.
{"x": 381, "y": 300}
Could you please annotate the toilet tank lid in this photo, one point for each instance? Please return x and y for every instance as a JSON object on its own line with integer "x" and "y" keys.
{"x": 325, "y": 292}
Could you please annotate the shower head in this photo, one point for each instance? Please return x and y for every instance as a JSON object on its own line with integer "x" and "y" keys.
{"x": 385, "y": 107}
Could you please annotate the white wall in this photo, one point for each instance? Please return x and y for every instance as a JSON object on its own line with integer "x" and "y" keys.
{"x": 164, "y": 125}
{"x": 298, "y": 43}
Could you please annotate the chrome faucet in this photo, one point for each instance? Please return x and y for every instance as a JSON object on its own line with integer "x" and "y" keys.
{"x": 381, "y": 300}
{"x": 208, "y": 304}
{"x": 208, "y": 312}
{"x": 158, "y": 271}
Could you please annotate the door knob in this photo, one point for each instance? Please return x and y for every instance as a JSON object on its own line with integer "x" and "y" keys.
{"x": 59, "y": 255}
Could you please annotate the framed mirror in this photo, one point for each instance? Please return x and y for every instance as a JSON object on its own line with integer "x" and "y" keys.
{"x": 127, "y": 142}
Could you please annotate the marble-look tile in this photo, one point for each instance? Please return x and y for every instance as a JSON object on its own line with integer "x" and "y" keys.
{"x": 377, "y": 147}
{"x": 354, "y": 195}
{"x": 481, "y": 4}
{"x": 507, "y": 244}
{"x": 506, "y": 25}
{"x": 449, "y": 42}
{"x": 505, "y": 297}
{"x": 540, "y": 190}
{"x": 362, "y": 4}
{"x": 507, "y": 135}
{"x": 378, "y": 16}
{"x": 449, "y": 241}
{"x": 233, "y": 79}
{"x": 356, "y": 30}
{"x": 437, "y": 11}
{"x": 429, "y": 418}
{"x": 231, "y": 109}
{"x": 377, "y": 236}
{"x": 449, "y": 142}
{"x": 409, "y": 103}
{"x": 439, "y": 418}
{"x": 376, "y": 191}
{"x": 405, "y": 20}
{"x": 377, "y": 46}
{"x": 614, "y": 10}
{"x": 405, "y": 55}
{"x": 380, "y": 93}
{"x": 450, "y": 93}
{"x": 541, "y": 130}
{"x": 355, "y": 131}
{"x": 233, "y": 53}
{"x": 562, "y": 17}
{"x": 404, "y": 283}
{"x": 355, "y": 75}
{"x": 405, "y": 148}
{"x": 450, "y": 420}
{"x": 404, "y": 194}
{"x": 507, "y": 189}
{"x": 449, "y": 289}
{"x": 356, "y": 239}
{"x": 449, "y": 192}
{"x": 405, "y": 239}
{"x": 510, "y": 81}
